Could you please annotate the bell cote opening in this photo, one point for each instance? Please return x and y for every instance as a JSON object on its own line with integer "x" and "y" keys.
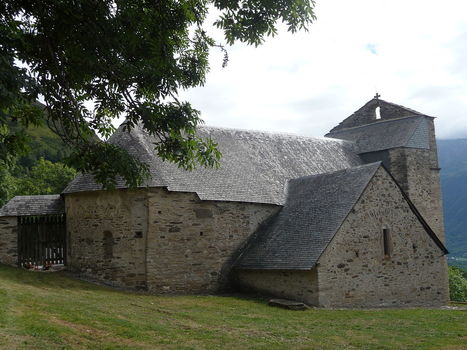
{"x": 377, "y": 113}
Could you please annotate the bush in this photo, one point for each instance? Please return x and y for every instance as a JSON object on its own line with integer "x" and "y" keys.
{"x": 457, "y": 284}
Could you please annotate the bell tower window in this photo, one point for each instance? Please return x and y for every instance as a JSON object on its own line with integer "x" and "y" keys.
{"x": 377, "y": 113}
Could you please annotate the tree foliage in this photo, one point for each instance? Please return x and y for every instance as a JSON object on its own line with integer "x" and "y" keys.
{"x": 45, "y": 178}
{"x": 457, "y": 284}
{"x": 8, "y": 185}
{"x": 40, "y": 170}
{"x": 92, "y": 61}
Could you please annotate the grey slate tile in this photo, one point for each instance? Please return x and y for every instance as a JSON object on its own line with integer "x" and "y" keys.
{"x": 315, "y": 208}
{"x": 33, "y": 205}
{"x": 255, "y": 166}
{"x": 387, "y": 134}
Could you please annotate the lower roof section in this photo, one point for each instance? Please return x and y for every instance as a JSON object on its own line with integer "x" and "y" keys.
{"x": 412, "y": 132}
{"x": 315, "y": 208}
{"x": 34, "y": 205}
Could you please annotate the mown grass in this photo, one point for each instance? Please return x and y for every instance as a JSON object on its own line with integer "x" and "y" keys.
{"x": 53, "y": 311}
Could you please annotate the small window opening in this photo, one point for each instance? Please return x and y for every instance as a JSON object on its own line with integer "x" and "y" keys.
{"x": 138, "y": 234}
{"x": 386, "y": 242}
{"x": 377, "y": 113}
{"x": 201, "y": 233}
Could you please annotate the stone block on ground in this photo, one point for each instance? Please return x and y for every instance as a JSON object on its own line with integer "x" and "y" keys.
{"x": 288, "y": 304}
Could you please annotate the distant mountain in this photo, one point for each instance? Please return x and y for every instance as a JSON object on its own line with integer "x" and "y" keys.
{"x": 453, "y": 163}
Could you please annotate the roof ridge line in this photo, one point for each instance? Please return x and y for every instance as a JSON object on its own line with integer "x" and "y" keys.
{"x": 267, "y": 132}
{"x": 377, "y": 123}
{"x": 336, "y": 171}
{"x": 406, "y": 108}
{"x": 380, "y": 164}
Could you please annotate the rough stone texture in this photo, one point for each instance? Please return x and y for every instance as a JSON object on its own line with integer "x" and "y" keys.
{"x": 354, "y": 272}
{"x": 166, "y": 242}
{"x": 417, "y": 171}
{"x": 293, "y": 284}
{"x": 107, "y": 232}
{"x": 367, "y": 114}
{"x": 8, "y": 240}
{"x": 192, "y": 243}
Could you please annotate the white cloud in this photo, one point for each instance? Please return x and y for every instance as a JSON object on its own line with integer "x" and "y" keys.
{"x": 412, "y": 52}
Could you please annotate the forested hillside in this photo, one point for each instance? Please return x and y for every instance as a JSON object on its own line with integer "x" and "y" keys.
{"x": 453, "y": 163}
{"x": 40, "y": 171}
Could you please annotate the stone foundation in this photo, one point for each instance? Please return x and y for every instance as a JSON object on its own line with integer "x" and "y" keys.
{"x": 296, "y": 285}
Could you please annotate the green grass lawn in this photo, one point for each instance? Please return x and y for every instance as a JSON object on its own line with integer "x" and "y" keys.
{"x": 53, "y": 311}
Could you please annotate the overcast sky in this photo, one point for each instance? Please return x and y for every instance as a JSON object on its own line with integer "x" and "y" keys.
{"x": 412, "y": 52}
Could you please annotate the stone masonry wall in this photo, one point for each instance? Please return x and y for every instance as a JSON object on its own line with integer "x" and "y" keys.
{"x": 354, "y": 271}
{"x": 191, "y": 243}
{"x": 367, "y": 114}
{"x": 8, "y": 240}
{"x": 296, "y": 285}
{"x": 107, "y": 233}
{"x": 416, "y": 170}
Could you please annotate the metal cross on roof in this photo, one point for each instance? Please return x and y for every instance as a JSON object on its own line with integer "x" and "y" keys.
{"x": 377, "y": 96}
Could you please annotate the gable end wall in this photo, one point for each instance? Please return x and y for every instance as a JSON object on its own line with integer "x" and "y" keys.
{"x": 353, "y": 271}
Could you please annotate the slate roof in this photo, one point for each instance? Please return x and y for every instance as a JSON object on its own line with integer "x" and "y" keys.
{"x": 315, "y": 208}
{"x": 255, "y": 166}
{"x": 33, "y": 205}
{"x": 385, "y": 134}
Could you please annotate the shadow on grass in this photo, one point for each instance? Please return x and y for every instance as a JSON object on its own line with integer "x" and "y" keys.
{"x": 56, "y": 280}
{"x": 64, "y": 280}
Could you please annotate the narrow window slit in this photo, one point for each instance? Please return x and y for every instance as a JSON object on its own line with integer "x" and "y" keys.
{"x": 386, "y": 242}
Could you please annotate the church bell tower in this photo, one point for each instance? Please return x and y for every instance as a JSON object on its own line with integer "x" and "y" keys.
{"x": 404, "y": 140}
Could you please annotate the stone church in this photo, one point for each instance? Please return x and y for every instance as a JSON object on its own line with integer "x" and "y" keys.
{"x": 353, "y": 219}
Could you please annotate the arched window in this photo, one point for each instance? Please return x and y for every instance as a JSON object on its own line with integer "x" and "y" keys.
{"x": 377, "y": 113}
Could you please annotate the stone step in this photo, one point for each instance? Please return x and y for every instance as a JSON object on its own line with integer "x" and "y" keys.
{"x": 288, "y": 304}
